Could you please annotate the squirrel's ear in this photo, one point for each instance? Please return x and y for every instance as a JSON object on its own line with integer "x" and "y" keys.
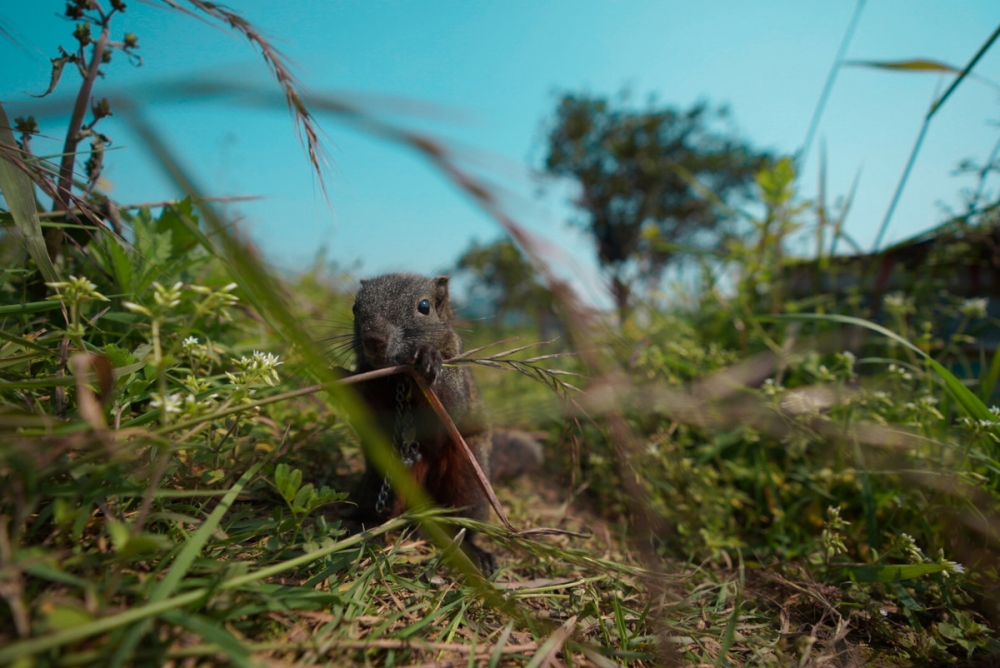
{"x": 441, "y": 304}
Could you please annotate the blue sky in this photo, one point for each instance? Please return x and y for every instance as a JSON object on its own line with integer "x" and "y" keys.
{"x": 496, "y": 69}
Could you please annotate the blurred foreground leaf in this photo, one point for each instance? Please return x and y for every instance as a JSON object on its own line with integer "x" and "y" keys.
{"x": 914, "y": 65}
{"x": 20, "y": 195}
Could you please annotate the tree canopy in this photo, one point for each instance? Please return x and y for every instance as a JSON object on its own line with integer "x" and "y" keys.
{"x": 640, "y": 173}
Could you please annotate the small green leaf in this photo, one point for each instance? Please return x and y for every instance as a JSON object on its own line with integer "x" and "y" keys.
{"x": 65, "y": 617}
{"x": 295, "y": 479}
{"x": 304, "y": 498}
{"x": 145, "y": 543}
{"x": 950, "y": 631}
{"x": 894, "y": 573}
{"x": 281, "y": 480}
{"x": 118, "y": 533}
{"x": 776, "y": 181}
{"x": 171, "y": 224}
{"x": 327, "y": 495}
{"x": 138, "y": 387}
{"x": 51, "y": 570}
{"x": 213, "y": 476}
{"x": 121, "y": 262}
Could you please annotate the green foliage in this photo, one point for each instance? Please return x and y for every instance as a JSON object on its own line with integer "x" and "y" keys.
{"x": 794, "y": 470}
{"x": 506, "y": 280}
{"x": 173, "y": 356}
{"x": 302, "y": 499}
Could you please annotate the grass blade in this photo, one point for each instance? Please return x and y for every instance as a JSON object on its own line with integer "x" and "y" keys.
{"x": 19, "y": 192}
{"x": 729, "y": 636}
{"x": 28, "y": 647}
{"x": 215, "y": 633}
{"x": 828, "y": 86}
{"x": 32, "y": 307}
{"x": 501, "y": 643}
{"x": 965, "y": 72}
{"x": 989, "y": 381}
{"x": 192, "y": 548}
{"x": 25, "y": 343}
{"x": 547, "y": 652}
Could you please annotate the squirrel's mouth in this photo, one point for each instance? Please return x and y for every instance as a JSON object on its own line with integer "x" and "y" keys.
{"x": 376, "y": 351}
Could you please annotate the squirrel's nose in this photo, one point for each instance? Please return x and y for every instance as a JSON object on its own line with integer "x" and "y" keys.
{"x": 375, "y": 345}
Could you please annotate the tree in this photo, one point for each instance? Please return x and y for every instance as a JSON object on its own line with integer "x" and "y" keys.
{"x": 502, "y": 276}
{"x": 640, "y": 173}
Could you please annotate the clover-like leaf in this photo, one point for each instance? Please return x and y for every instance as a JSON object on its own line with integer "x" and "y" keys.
{"x": 304, "y": 498}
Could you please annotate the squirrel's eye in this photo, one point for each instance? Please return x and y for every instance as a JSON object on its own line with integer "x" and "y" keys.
{"x": 424, "y": 307}
{"x": 354, "y": 308}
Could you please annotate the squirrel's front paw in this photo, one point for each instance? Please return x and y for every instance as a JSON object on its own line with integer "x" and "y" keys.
{"x": 428, "y": 361}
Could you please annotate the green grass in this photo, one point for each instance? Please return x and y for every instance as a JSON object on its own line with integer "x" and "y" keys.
{"x": 137, "y": 534}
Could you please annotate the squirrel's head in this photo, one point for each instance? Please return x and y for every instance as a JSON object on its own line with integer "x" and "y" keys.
{"x": 395, "y": 313}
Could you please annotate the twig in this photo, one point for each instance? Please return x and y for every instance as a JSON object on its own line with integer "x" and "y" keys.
{"x": 456, "y": 437}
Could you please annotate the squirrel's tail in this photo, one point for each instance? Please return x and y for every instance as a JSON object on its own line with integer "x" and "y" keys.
{"x": 514, "y": 453}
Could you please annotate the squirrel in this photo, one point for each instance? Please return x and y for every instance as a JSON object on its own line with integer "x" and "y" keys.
{"x": 405, "y": 319}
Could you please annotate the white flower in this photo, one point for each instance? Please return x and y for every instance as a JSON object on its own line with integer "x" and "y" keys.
{"x": 949, "y": 566}
{"x": 898, "y": 303}
{"x": 896, "y": 370}
{"x": 259, "y": 367}
{"x": 770, "y": 388}
{"x": 170, "y": 403}
{"x": 974, "y": 307}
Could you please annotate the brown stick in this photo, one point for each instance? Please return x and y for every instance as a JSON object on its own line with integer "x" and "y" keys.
{"x": 456, "y": 437}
